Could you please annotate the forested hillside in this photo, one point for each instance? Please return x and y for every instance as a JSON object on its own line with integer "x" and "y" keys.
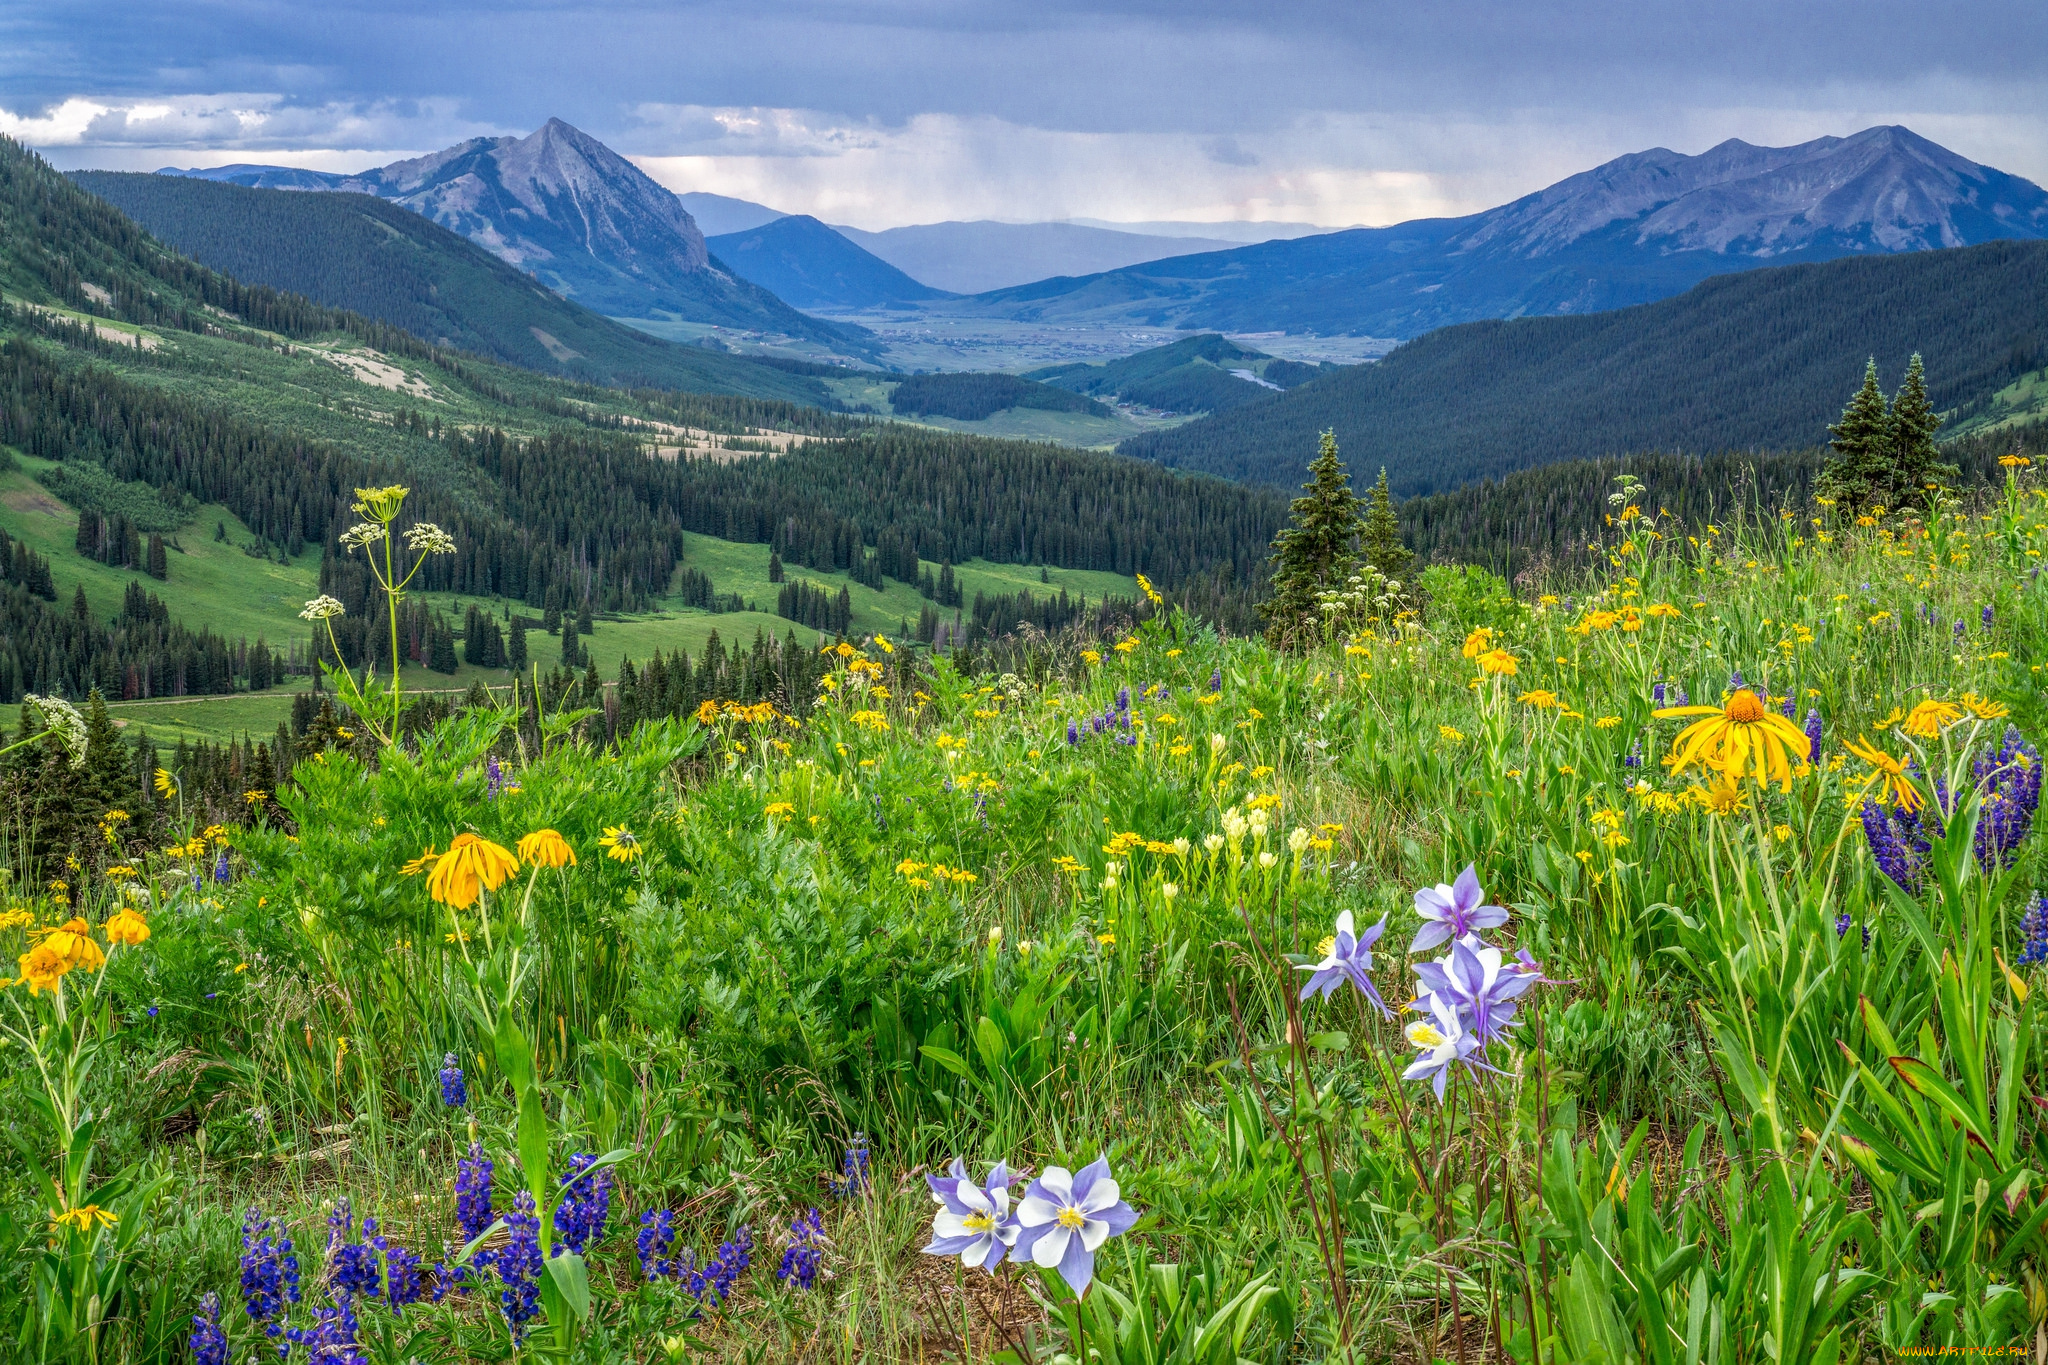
{"x": 972, "y": 397}
{"x": 1198, "y": 374}
{"x": 384, "y": 261}
{"x": 1759, "y": 360}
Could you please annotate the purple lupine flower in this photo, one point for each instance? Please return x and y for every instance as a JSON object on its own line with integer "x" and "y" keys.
{"x": 1657, "y": 693}
{"x": 586, "y": 1202}
{"x": 1475, "y": 983}
{"x": 1443, "y": 1039}
{"x": 974, "y": 1221}
{"x": 1216, "y": 676}
{"x": 1064, "y": 1219}
{"x": 221, "y": 875}
{"x": 2010, "y": 779}
{"x": 1987, "y": 616}
{"x": 209, "y": 1344}
{"x": 1451, "y": 912}
{"x": 1895, "y": 843}
{"x": 2034, "y": 924}
{"x": 655, "y": 1243}
{"x": 1787, "y": 708}
{"x": 1127, "y": 739}
{"x": 1634, "y": 757}
{"x": 806, "y": 1250}
{"x": 1735, "y": 682}
{"x": 1684, "y": 698}
{"x": 270, "y": 1272}
{"x": 1842, "y": 924}
{"x": 473, "y": 1196}
{"x": 494, "y": 777}
{"x": 402, "y": 1282}
{"x": 733, "y": 1256}
{"x": 1813, "y": 733}
{"x": 519, "y": 1266}
{"x": 1348, "y": 957}
{"x": 331, "y": 1340}
{"x": 351, "y": 1266}
{"x": 1961, "y": 626}
{"x": 1073, "y": 733}
{"x": 1123, "y": 698}
{"x": 855, "y": 1179}
{"x": 454, "y": 1089}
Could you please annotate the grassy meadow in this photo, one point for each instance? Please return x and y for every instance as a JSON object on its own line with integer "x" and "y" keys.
{"x": 1722, "y": 1048}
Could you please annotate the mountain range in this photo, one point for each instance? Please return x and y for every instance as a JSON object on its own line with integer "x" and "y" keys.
{"x": 808, "y": 264}
{"x": 1641, "y": 227}
{"x": 563, "y": 207}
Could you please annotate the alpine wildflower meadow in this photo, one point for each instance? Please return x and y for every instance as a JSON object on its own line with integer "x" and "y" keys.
{"x": 1630, "y": 964}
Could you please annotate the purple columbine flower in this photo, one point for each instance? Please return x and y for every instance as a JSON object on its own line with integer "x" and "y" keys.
{"x": 1451, "y": 912}
{"x": 1443, "y": 1039}
{"x": 1476, "y": 983}
{"x": 974, "y": 1221}
{"x": 1065, "y": 1218}
{"x": 209, "y": 1343}
{"x": 454, "y": 1089}
{"x": 1347, "y": 956}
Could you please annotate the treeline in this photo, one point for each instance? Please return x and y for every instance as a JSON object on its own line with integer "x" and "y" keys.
{"x": 24, "y": 568}
{"x": 117, "y": 542}
{"x": 972, "y": 397}
{"x": 1759, "y": 360}
{"x": 141, "y": 653}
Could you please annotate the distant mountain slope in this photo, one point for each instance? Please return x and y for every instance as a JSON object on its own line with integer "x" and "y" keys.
{"x": 718, "y": 214}
{"x": 1208, "y": 373}
{"x": 807, "y": 264}
{"x": 376, "y": 258}
{"x": 1639, "y": 228}
{"x": 1763, "y": 359}
{"x": 971, "y": 258}
{"x": 585, "y": 221}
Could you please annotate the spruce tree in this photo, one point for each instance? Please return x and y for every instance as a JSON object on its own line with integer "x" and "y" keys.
{"x": 1916, "y": 460}
{"x": 1379, "y": 543}
{"x": 515, "y": 650}
{"x": 774, "y": 567}
{"x": 1314, "y": 551}
{"x": 1859, "y": 475}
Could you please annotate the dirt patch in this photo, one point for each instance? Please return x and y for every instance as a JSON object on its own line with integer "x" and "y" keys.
{"x": 554, "y": 347}
{"x": 102, "y": 297}
{"x": 370, "y": 367}
{"x": 693, "y": 443}
{"x": 100, "y": 329}
{"x": 34, "y": 500}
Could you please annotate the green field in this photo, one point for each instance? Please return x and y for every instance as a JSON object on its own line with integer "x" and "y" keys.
{"x": 215, "y": 584}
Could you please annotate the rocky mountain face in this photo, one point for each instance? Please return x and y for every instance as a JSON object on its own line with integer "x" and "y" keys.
{"x": 579, "y": 217}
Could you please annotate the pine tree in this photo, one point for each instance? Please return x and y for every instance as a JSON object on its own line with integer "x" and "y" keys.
{"x": 159, "y": 566}
{"x": 584, "y": 625}
{"x": 1379, "y": 543}
{"x": 774, "y": 567}
{"x": 515, "y": 651}
{"x": 104, "y": 779}
{"x": 1315, "y": 549}
{"x": 1916, "y": 460}
{"x": 1859, "y": 475}
{"x": 570, "y": 654}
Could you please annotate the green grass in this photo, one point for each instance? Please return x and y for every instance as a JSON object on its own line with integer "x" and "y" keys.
{"x": 212, "y": 584}
{"x": 2021, "y": 403}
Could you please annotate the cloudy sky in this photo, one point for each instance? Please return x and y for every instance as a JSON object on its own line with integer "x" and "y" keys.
{"x": 900, "y": 111}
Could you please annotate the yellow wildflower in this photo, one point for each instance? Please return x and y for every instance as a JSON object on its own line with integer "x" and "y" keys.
{"x": 1929, "y": 718}
{"x": 84, "y": 1218}
{"x": 471, "y": 866}
{"x": 1737, "y": 739}
{"x": 1498, "y": 661}
{"x": 1888, "y": 775}
{"x": 546, "y": 848}
{"x": 1540, "y": 699}
{"x": 126, "y": 928}
{"x": 775, "y": 808}
{"x": 621, "y": 844}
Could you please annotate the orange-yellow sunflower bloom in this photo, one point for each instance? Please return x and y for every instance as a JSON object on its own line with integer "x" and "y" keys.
{"x": 42, "y": 967}
{"x": 428, "y": 857}
{"x": 471, "y": 866}
{"x": 1744, "y": 737}
{"x": 72, "y": 941}
{"x": 127, "y": 928}
{"x": 546, "y": 848}
{"x": 1888, "y": 775}
{"x": 1930, "y": 718}
{"x": 1498, "y": 661}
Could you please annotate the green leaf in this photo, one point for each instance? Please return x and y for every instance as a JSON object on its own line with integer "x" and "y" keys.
{"x": 572, "y": 1281}
{"x": 515, "y": 1056}
{"x": 533, "y": 1144}
{"x": 1330, "y": 1042}
{"x": 1927, "y": 1083}
{"x": 952, "y": 1061}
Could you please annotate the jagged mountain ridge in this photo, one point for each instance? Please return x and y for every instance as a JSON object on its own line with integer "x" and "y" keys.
{"x": 582, "y": 219}
{"x": 1639, "y": 228}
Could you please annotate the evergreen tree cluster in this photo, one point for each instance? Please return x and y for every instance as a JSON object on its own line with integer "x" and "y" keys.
{"x": 820, "y": 608}
{"x": 23, "y": 567}
{"x": 1884, "y": 457}
{"x": 140, "y": 654}
{"x": 115, "y": 541}
{"x": 1316, "y": 549}
{"x": 483, "y": 642}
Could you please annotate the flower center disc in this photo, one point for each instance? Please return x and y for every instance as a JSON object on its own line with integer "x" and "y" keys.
{"x": 1744, "y": 708}
{"x": 1072, "y": 1218}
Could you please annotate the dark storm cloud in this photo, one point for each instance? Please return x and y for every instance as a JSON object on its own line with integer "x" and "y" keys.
{"x": 1247, "y": 87}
